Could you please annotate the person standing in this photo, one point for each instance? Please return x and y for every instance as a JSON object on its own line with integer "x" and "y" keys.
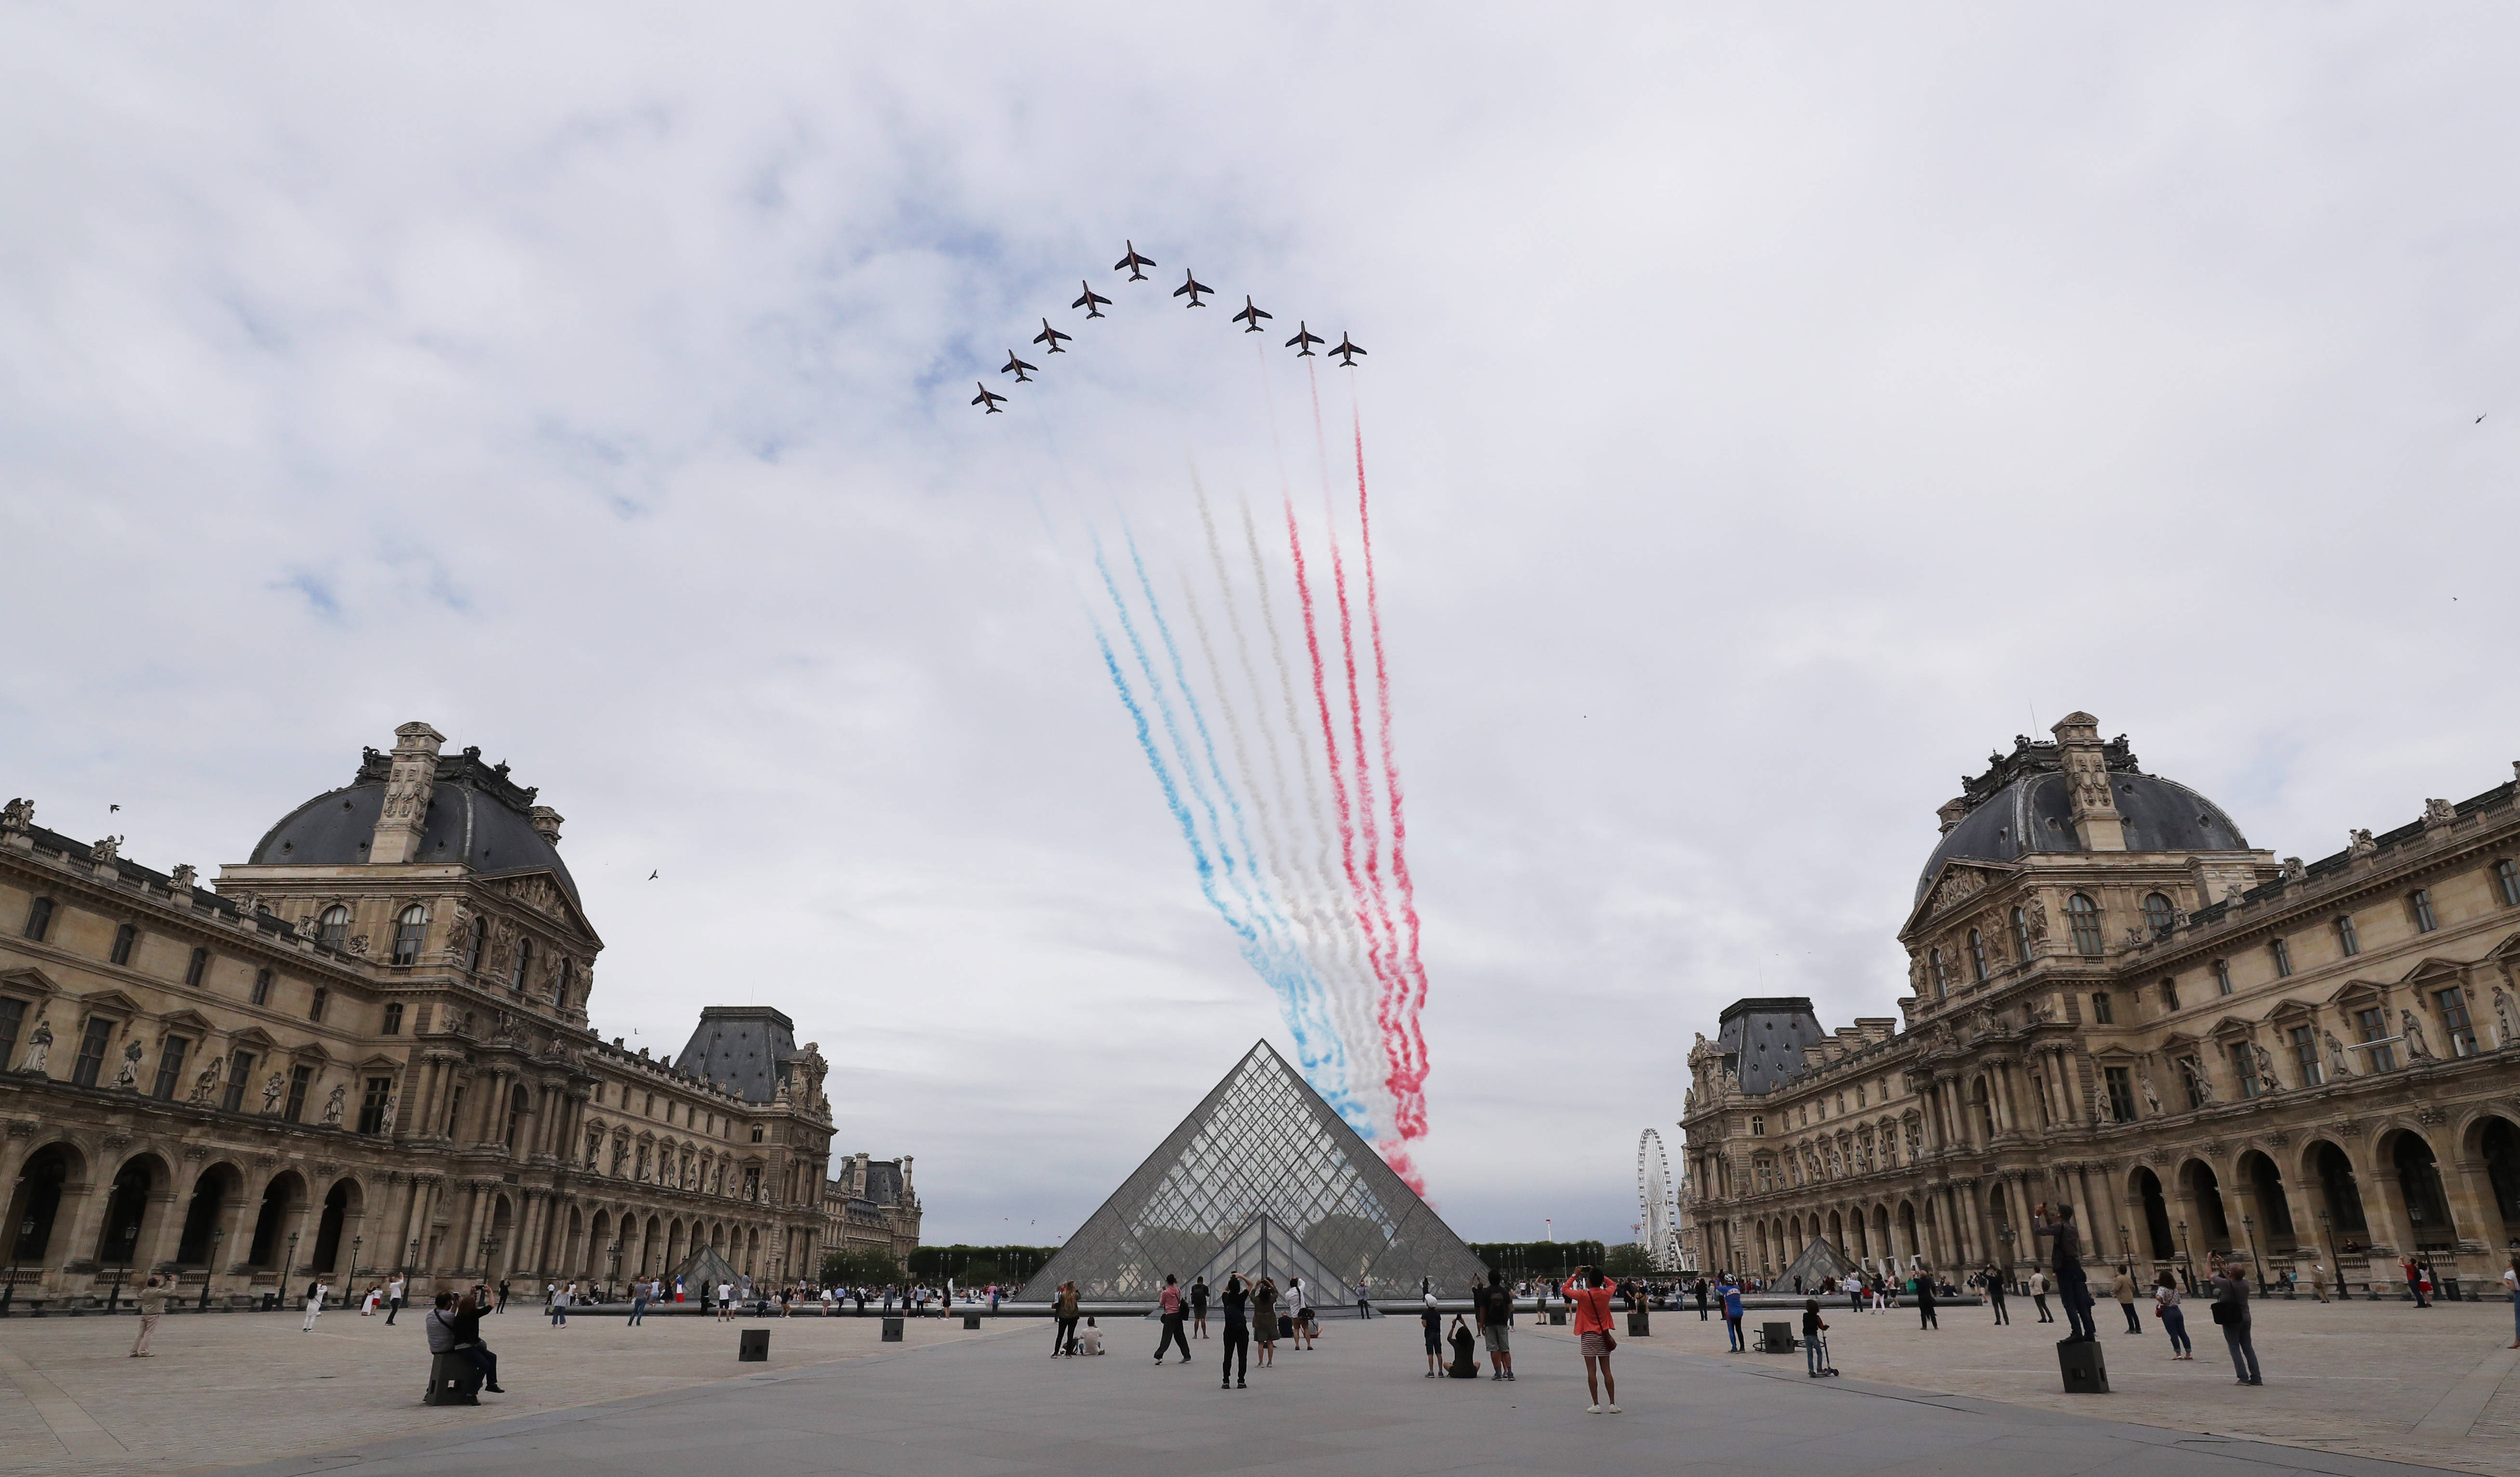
{"x": 2038, "y": 1295}
{"x": 315, "y": 1294}
{"x": 1238, "y": 1333}
{"x": 1994, "y": 1286}
{"x": 1853, "y": 1286}
{"x": 1064, "y": 1311}
{"x": 558, "y": 1309}
{"x": 2174, "y": 1319}
{"x": 1495, "y": 1325}
{"x": 1171, "y": 1305}
{"x": 2318, "y": 1283}
{"x": 503, "y": 1296}
{"x": 2511, "y": 1286}
{"x": 2231, "y": 1311}
{"x": 393, "y": 1298}
{"x": 2072, "y": 1283}
{"x": 2414, "y": 1283}
{"x": 1733, "y": 1316}
{"x": 1431, "y": 1318}
{"x": 1813, "y": 1367}
{"x": 1702, "y": 1300}
{"x": 1592, "y": 1304}
{"x": 151, "y": 1300}
{"x": 638, "y": 1304}
{"x": 1264, "y": 1319}
{"x": 1199, "y": 1306}
{"x": 2122, "y": 1287}
{"x": 1925, "y": 1303}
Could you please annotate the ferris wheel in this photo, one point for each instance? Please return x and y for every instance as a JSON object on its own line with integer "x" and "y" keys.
{"x": 1658, "y": 1209}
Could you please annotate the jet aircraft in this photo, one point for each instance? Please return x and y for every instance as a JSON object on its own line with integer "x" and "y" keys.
{"x": 1304, "y": 340}
{"x": 1347, "y": 351}
{"x": 1088, "y": 301}
{"x": 1250, "y": 315}
{"x": 1051, "y": 336}
{"x": 1017, "y": 368}
{"x": 1132, "y": 261}
{"x": 1193, "y": 286}
{"x": 989, "y": 398}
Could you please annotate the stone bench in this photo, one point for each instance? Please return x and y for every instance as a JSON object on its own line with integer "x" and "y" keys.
{"x": 453, "y": 1381}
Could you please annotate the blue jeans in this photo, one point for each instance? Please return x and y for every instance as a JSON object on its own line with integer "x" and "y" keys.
{"x": 2174, "y": 1322}
{"x": 637, "y": 1310}
{"x": 1811, "y": 1352}
{"x": 2244, "y": 1354}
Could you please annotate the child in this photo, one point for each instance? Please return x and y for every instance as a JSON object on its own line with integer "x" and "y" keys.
{"x": 1813, "y": 1328}
{"x": 1433, "y": 1320}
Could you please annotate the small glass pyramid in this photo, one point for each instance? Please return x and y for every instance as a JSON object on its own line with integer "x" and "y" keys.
{"x": 1264, "y": 1179}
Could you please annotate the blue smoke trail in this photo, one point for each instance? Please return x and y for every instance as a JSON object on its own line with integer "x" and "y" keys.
{"x": 1284, "y": 969}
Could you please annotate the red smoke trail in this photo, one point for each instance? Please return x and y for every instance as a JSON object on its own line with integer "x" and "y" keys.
{"x": 1408, "y": 1042}
{"x": 1409, "y": 1108}
{"x": 1329, "y": 744}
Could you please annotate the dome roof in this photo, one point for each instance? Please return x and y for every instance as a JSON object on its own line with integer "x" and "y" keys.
{"x": 476, "y": 817}
{"x": 2021, "y": 806}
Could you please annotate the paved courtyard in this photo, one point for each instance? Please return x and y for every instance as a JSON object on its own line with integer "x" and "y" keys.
{"x": 2345, "y": 1385}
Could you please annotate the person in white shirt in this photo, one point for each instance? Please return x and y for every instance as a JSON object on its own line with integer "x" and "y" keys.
{"x": 725, "y": 1302}
{"x": 393, "y": 1299}
{"x": 315, "y": 1296}
{"x": 2511, "y": 1285}
{"x": 1089, "y": 1340}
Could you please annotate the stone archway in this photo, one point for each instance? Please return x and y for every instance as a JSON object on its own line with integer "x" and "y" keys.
{"x": 2496, "y": 1144}
{"x": 2327, "y": 1175}
{"x": 2417, "y": 1194}
{"x": 2145, "y": 1188}
{"x": 53, "y": 1177}
{"x": 2268, "y": 1205}
{"x": 344, "y": 1211}
{"x": 2201, "y": 1189}
{"x": 210, "y": 1215}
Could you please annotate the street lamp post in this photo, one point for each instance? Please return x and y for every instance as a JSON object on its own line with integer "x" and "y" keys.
{"x": 2187, "y": 1259}
{"x": 17, "y": 1244}
{"x": 2004, "y": 1234}
{"x": 615, "y": 1251}
{"x": 2249, "y": 1229}
{"x": 352, "y": 1280}
{"x": 129, "y": 1234}
{"x": 211, "y": 1268}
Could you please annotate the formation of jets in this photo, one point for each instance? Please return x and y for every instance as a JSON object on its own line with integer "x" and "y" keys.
{"x": 1134, "y": 263}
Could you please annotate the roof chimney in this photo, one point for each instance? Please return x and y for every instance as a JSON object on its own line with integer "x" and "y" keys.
{"x": 408, "y": 786}
{"x": 2096, "y": 822}
{"x": 1954, "y": 812}
{"x": 546, "y": 822}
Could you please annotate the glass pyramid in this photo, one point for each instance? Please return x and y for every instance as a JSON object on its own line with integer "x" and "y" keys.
{"x": 1262, "y": 1174}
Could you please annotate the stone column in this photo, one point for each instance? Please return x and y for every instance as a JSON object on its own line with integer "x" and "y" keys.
{"x": 476, "y": 1223}
{"x": 164, "y": 1223}
{"x": 76, "y": 1224}
{"x": 2476, "y": 1217}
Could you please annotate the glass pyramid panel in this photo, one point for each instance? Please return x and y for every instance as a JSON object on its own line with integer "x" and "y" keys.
{"x": 1262, "y": 1154}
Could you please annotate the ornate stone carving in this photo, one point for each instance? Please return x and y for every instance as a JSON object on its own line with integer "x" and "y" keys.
{"x": 2437, "y": 813}
{"x": 127, "y": 1080}
{"x": 271, "y": 1092}
{"x": 114, "y": 1143}
{"x": 105, "y": 852}
{"x": 2359, "y": 843}
{"x": 333, "y": 1105}
{"x": 39, "y": 1049}
{"x": 18, "y": 816}
{"x": 2338, "y": 1068}
{"x": 182, "y": 880}
{"x": 2429, "y": 1116}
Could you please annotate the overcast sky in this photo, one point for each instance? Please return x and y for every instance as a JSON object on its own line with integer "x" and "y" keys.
{"x": 1774, "y": 409}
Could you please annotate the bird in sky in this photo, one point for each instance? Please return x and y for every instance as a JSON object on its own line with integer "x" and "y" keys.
{"x": 652, "y": 876}
{"x": 110, "y": 809}
{"x": 2480, "y": 420}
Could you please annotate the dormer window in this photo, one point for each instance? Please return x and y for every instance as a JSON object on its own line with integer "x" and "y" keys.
{"x": 2158, "y": 915}
{"x": 409, "y": 929}
{"x": 333, "y": 929}
{"x": 1758, "y": 1126}
{"x": 2084, "y": 915}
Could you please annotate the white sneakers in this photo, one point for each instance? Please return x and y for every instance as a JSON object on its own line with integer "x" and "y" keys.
{"x": 1614, "y": 1409}
{"x": 1592, "y": 1409}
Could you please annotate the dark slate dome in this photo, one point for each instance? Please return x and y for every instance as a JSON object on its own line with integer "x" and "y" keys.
{"x": 2020, "y": 806}
{"x": 477, "y": 816}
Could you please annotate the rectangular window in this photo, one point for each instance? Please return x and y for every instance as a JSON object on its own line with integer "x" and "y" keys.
{"x": 394, "y": 1019}
{"x": 2507, "y": 877}
{"x": 2419, "y": 906}
{"x": 2222, "y": 976}
{"x": 300, "y": 1078}
{"x": 198, "y": 969}
{"x": 2375, "y": 1023}
{"x": 13, "y": 1016}
{"x": 453, "y": 1112}
{"x": 372, "y": 1104}
{"x": 2305, "y": 1056}
{"x": 2346, "y": 938}
{"x": 170, "y": 1068}
{"x": 262, "y": 987}
{"x": 91, "y": 1052}
{"x": 39, "y": 917}
{"x": 2101, "y": 1013}
{"x": 315, "y": 1007}
{"x": 239, "y": 1077}
{"x": 2244, "y": 1067}
{"x": 2169, "y": 995}
{"x": 125, "y": 938}
{"x": 2454, "y": 1012}
{"x": 2282, "y": 954}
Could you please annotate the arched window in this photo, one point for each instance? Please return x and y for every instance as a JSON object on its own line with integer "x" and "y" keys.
{"x": 333, "y": 929}
{"x": 2346, "y": 938}
{"x": 2158, "y": 913}
{"x": 524, "y": 962}
{"x": 1934, "y": 972}
{"x": 2020, "y": 936}
{"x": 409, "y": 929}
{"x": 1977, "y": 956}
{"x": 2084, "y": 916}
{"x": 478, "y": 944}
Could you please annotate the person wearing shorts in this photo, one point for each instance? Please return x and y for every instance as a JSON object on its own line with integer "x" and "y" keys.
{"x": 1591, "y": 1300}
{"x": 1433, "y": 1319}
{"x": 1495, "y": 1325}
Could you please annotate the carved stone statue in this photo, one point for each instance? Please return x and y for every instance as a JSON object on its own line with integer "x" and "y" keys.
{"x": 2360, "y": 843}
{"x": 107, "y": 850}
{"x": 17, "y": 816}
{"x": 384, "y": 1123}
{"x": 207, "y": 1085}
{"x": 2034, "y": 921}
{"x": 2337, "y": 1067}
{"x": 2266, "y": 1082}
{"x": 129, "y": 1079}
{"x": 182, "y": 880}
{"x": 2197, "y": 1081}
{"x": 2440, "y": 813}
{"x": 2502, "y": 1034}
{"x": 39, "y": 1049}
{"x": 2152, "y": 1099}
{"x": 271, "y": 1092}
{"x": 2295, "y": 869}
{"x": 333, "y": 1105}
{"x": 2413, "y": 1030}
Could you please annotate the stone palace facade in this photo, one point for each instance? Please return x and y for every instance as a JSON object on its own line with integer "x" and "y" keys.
{"x": 2118, "y": 1003}
{"x": 368, "y": 1050}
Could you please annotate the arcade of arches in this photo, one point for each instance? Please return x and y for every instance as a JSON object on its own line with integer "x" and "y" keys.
{"x": 2122, "y": 1007}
